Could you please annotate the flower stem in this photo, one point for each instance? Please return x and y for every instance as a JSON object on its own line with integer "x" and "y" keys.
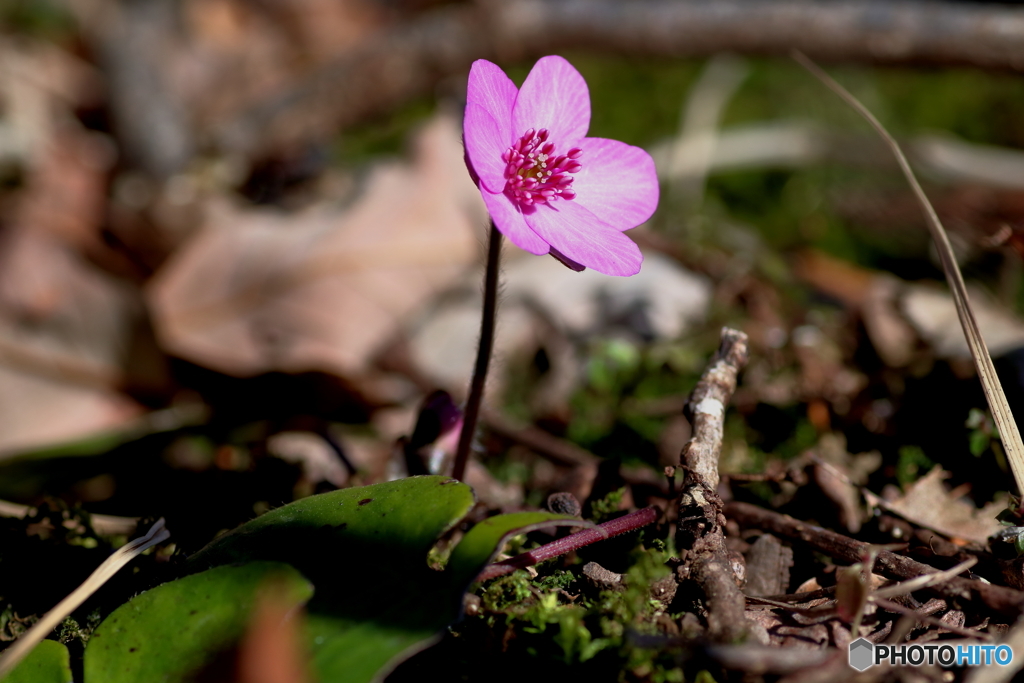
{"x": 619, "y": 525}
{"x": 483, "y": 355}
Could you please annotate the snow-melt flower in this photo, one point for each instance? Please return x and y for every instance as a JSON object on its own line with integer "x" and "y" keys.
{"x": 548, "y": 187}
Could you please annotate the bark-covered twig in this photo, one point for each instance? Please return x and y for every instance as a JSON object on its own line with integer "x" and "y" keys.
{"x": 930, "y": 621}
{"x": 700, "y": 509}
{"x": 699, "y": 534}
{"x": 706, "y": 408}
{"x": 845, "y": 549}
{"x": 409, "y": 60}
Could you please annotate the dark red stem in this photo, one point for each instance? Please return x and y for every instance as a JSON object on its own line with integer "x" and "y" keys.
{"x": 620, "y": 525}
{"x": 483, "y": 355}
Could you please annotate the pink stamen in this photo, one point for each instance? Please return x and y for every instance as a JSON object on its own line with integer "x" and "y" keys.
{"x": 534, "y": 175}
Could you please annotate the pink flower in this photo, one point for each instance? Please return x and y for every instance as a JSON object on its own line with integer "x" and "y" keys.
{"x": 548, "y": 187}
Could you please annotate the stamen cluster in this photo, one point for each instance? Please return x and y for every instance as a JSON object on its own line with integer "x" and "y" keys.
{"x": 534, "y": 175}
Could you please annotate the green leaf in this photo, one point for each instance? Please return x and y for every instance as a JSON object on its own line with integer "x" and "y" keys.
{"x": 483, "y": 541}
{"x": 170, "y": 632}
{"x": 978, "y": 441}
{"x": 351, "y": 542}
{"x": 365, "y": 549}
{"x": 48, "y": 662}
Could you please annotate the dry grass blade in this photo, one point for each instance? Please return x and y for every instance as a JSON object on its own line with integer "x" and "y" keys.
{"x": 103, "y": 573}
{"x": 982, "y": 360}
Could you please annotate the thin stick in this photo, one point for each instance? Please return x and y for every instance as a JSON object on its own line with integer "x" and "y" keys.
{"x": 483, "y": 355}
{"x": 930, "y": 620}
{"x": 122, "y": 556}
{"x": 614, "y": 527}
{"x": 982, "y": 359}
{"x": 843, "y": 548}
{"x": 923, "y": 581}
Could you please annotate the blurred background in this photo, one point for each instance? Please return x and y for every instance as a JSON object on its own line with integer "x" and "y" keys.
{"x": 239, "y": 247}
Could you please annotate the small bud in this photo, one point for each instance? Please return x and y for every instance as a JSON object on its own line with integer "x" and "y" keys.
{"x": 564, "y": 503}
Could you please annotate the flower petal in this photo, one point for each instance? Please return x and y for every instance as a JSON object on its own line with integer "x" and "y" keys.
{"x": 580, "y": 235}
{"x": 618, "y": 182}
{"x": 509, "y": 220}
{"x": 553, "y": 96}
{"x": 482, "y": 137}
{"x": 490, "y": 88}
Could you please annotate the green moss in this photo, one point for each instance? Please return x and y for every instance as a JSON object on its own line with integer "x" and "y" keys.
{"x": 555, "y": 620}
{"x": 607, "y": 507}
{"x": 913, "y": 463}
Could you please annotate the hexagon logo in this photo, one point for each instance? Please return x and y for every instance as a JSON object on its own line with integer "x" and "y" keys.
{"x": 862, "y": 654}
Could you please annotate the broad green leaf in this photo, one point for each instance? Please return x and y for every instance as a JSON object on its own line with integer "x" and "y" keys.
{"x": 168, "y": 633}
{"x": 48, "y": 662}
{"x": 483, "y": 541}
{"x": 415, "y": 611}
{"x": 365, "y": 549}
{"x": 351, "y": 542}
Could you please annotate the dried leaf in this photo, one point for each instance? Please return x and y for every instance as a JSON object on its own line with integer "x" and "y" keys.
{"x": 322, "y": 290}
{"x": 932, "y": 312}
{"x": 67, "y": 329}
{"x": 663, "y": 300}
{"x": 928, "y": 503}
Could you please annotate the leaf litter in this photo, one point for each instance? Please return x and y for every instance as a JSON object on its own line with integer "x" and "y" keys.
{"x": 855, "y": 381}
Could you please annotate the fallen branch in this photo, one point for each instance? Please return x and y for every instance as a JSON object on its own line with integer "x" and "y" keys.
{"x": 410, "y": 60}
{"x": 921, "y": 582}
{"x": 845, "y": 549}
{"x": 897, "y": 608}
{"x": 699, "y": 534}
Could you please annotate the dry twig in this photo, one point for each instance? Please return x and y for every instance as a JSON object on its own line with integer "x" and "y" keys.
{"x": 845, "y": 549}
{"x": 699, "y": 533}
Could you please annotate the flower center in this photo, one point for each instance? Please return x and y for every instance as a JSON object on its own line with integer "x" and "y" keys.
{"x": 534, "y": 174}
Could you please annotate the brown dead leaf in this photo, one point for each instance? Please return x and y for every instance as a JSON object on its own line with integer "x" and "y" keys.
{"x": 66, "y": 327}
{"x": 256, "y": 290}
{"x": 928, "y": 503}
{"x": 872, "y": 293}
{"x": 932, "y": 313}
{"x": 39, "y": 83}
{"x": 66, "y": 336}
